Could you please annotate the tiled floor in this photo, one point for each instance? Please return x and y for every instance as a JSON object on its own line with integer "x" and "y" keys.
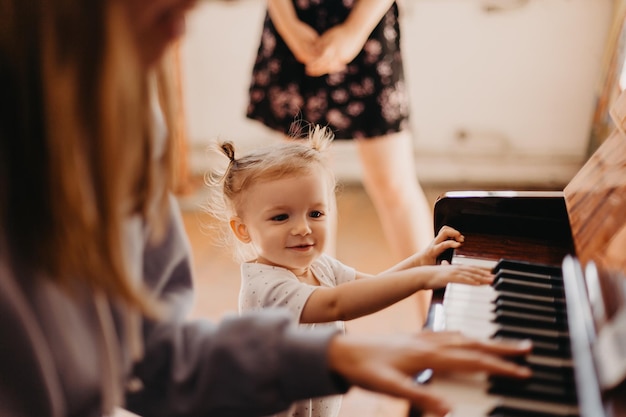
{"x": 360, "y": 243}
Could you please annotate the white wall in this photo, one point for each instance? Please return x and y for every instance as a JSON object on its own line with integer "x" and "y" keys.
{"x": 502, "y": 91}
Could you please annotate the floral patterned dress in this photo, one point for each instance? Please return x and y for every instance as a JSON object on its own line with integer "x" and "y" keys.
{"x": 367, "y": 99}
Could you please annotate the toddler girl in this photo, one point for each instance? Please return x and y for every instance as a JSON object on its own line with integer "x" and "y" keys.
{"x": 276, "y": 202}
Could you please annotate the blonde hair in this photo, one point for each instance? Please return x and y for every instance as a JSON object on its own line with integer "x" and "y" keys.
{"x": 228, "y": 186}
{"x": 76, "y": 143}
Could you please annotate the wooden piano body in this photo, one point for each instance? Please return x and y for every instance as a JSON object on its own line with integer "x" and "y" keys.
{"x": 582, "y": 231}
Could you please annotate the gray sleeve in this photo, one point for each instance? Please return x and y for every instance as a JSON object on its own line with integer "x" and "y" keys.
{"x": 167, "y": 266}
{"x": 250, "y": 365}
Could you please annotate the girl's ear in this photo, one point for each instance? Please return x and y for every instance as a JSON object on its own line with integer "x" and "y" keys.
{"x": 239, "y": 229}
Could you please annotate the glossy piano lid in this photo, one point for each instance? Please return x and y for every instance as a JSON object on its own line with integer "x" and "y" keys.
{"x": 596, "y": 199}
{"x": 503, "y": 193}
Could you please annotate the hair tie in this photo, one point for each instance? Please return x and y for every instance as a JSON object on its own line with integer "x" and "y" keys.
{"x": 229, "y": 150}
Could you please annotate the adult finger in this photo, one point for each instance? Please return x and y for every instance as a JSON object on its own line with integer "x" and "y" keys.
{"x": 389, "y": 381}
{"x": 462, "y": 360}
{"x": 456, "y": 339}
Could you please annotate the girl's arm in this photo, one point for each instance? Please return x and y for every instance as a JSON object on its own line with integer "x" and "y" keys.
{"x": 368, "y": 294}
{"x": 299, "y": 37}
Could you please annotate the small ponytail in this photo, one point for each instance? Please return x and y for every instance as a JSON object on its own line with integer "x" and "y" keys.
{"x": 229, "y": 150}
{"x": 320, "y": 137}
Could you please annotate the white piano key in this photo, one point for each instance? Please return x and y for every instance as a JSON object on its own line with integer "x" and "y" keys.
{"x": 477, "y": 330}
{"x": 468, "y": 397}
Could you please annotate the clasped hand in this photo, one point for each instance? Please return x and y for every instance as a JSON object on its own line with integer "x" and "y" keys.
{"x": 327, "y": 53}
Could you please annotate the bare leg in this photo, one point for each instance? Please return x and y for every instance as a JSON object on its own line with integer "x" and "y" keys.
{"x": 390, "y": 180}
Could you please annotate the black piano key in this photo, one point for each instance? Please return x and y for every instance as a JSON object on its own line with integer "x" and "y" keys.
{"x": 504, "y": 411}
{"x": 523, "y": 407}
{"x": 533, "y": 388}
{"x": 522, "y": 307}
{"x": 535, "y": 391}
{"x": 562, "y": 378}
{"x": 507, "y": 334}
{"x": 529, "y": 277}
{"x": 546, "y": 367}
{"x": 527, "y": 287}
{"x": 551, "y": 349}
{"x": 525, "y": 266}
{"x": 503, "y": 316}
{"x": 562, "y": 370}
{"x": 532, "y": 333}
{"x": 538, "y": 299}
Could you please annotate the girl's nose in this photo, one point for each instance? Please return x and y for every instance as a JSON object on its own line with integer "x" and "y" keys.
{"x": 301, "y": 227}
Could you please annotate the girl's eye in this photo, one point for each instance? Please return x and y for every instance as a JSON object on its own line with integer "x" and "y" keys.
{"x": 316, "y": 214}
{"x": 280, "y": 218}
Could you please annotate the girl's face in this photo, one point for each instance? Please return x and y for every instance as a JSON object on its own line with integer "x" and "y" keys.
{"x": 155, "y": 24}
{"x": 286, "y": 220}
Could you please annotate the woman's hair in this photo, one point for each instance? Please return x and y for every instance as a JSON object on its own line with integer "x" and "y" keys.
{"x": 76, "y": 142}
{"x": 228, "y": 186}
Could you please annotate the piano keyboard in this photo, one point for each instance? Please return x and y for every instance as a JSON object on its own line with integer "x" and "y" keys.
{"x": 525, "y": 301}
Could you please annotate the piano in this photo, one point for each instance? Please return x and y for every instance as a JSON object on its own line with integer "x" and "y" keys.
{"x": 559, "y": 260}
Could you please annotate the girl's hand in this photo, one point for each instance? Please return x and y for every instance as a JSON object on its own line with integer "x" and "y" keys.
{"x": 337, "y": 47}
{"x": 389, "y": 365}
{"x": 438, "y": 276}
{"x": 447, "y": 238}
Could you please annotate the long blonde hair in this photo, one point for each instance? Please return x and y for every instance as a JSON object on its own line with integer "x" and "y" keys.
{"x": 228, "y": 186}
{"x": 76, "y": 145}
